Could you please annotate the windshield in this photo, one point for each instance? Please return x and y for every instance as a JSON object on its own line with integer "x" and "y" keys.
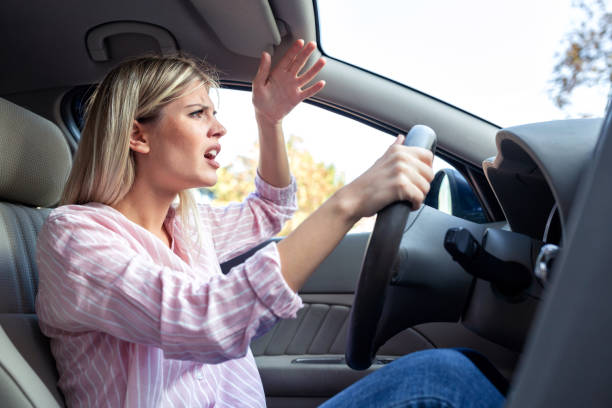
{"x": 493, "y": 59}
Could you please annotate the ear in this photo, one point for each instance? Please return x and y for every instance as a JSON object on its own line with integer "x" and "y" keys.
{"x": 139, "y": 139}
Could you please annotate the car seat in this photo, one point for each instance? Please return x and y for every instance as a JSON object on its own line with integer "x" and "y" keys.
{"x": 34, "y": 165}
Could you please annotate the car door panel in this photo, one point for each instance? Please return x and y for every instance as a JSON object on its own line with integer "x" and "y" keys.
{"x": 338, "y": 273}
{"x": 302, "y": 360}
{"x": 305, "y": 356}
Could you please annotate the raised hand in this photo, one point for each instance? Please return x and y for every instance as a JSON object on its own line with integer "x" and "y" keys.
{"x": 276, "y": 92}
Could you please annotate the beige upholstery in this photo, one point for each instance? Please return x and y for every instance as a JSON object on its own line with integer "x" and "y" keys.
{"x": 20, "y": 386}
{"x": 34, "y": 164}
{"x": 34, "y": 157}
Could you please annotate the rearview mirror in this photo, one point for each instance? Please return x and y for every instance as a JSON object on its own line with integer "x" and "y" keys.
{"x": 451, "y": 193}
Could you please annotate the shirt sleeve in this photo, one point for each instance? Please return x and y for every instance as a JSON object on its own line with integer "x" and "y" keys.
{"x": 238, "y": 227}
{"x": 90, "y": 279}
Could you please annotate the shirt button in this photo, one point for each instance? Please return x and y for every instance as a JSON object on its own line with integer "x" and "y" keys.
{"x": 199, "y": 376}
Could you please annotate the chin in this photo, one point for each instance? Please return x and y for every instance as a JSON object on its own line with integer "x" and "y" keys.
{"x": 207, "y": 182}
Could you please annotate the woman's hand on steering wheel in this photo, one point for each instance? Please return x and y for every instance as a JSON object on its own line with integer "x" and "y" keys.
{"x": 402, "y": 173}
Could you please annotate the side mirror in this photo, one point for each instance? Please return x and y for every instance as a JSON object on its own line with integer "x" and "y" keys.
{"x": 451, "y": 193}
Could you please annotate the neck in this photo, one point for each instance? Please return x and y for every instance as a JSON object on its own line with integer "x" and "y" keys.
{"x": 147, "y": 207}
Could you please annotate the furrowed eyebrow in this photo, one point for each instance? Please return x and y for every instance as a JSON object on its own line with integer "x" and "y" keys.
{"x": 199, "y": 105}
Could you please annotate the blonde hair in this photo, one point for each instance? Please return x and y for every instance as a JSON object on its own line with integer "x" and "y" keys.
{"x": 104, "y": 167}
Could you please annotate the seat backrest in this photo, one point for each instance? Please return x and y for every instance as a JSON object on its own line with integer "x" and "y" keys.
{"x": 34, "y": 164}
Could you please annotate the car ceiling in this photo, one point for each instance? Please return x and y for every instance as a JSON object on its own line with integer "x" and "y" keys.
{"x": 48, "y": 40}
{"x": 45, "y": 47}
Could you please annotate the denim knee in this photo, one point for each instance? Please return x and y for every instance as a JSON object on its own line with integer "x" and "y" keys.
{"x": 430, "y": 378}
{"x": 446, "y": 375}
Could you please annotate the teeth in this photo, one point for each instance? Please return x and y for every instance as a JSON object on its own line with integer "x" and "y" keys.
{"x": 212, "y": 154}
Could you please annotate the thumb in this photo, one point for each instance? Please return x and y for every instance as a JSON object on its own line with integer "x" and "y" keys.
{"x": 399, "y": 139}
{"x": 264, "y": 69}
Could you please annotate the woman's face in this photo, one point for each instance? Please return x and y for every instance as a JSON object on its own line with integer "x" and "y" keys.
{"x": 183, "y": 143}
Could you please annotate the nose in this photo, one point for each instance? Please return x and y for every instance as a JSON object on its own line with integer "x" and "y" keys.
{"x": 217, "y": 129}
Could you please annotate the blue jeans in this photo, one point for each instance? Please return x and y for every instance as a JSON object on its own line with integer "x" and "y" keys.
{"x": 432, "y": 378}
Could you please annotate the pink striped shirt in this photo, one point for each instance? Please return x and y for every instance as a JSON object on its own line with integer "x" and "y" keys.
{"x": 134, "y": 323}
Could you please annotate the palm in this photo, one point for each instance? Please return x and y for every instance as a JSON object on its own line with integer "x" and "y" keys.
{"x": 277, "y": 92}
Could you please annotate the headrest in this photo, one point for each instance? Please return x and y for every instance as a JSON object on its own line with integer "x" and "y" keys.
{"x": 34, "y": 157}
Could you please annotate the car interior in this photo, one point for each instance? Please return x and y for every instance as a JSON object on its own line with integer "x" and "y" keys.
{"x": 516, "y": 270}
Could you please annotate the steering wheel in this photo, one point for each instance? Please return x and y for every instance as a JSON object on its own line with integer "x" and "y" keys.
{"x": 378, "y": 267}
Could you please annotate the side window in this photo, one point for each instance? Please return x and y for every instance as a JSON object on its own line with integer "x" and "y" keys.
{"x": 326, "y": 151}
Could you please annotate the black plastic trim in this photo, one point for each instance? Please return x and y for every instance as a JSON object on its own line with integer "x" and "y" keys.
{"x": 67, "y": 111}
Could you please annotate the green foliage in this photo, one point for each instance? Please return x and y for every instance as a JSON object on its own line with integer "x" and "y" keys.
{"x": 587, "y": 56}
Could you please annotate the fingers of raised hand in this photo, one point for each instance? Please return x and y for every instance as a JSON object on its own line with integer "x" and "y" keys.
{"x": 311, "y": 72}
{"x": 285, "y": 75}
{"x": 264, "y": 70}
{"x": 301, "y": 57}
{"x": 308, "y": 76}
{"x": 290, "y": 55}
{"x": 310, "y": 91}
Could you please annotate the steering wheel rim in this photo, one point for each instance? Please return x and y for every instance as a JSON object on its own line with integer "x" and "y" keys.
{"x": 378, "y": 267}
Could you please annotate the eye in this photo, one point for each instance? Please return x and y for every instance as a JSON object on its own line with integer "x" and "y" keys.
{"x": 197, "y": 114}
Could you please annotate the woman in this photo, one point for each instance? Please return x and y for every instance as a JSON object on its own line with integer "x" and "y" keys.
{"x": 131, "y": 293}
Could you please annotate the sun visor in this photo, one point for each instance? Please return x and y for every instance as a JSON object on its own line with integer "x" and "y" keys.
{"x": 245, "y": 27}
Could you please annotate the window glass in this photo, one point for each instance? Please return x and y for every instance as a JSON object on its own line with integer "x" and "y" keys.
{"x": 326, "y": 151}
{"x": 496, "y": 59}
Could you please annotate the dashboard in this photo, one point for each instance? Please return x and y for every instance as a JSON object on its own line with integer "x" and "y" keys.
{"x": 536, "y": 174}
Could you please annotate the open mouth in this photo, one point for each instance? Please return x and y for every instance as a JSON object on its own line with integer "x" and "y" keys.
{"x": 212, "y": 151}
{"x": 211, "y": 154}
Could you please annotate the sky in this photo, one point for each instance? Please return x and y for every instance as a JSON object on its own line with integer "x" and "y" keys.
{"x": 492, "y": 58}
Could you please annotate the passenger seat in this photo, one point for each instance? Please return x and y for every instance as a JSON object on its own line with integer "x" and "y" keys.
{"x": 34, "y": 164}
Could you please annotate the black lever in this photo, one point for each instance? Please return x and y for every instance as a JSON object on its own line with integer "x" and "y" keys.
{"x": 509, "y": 277}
